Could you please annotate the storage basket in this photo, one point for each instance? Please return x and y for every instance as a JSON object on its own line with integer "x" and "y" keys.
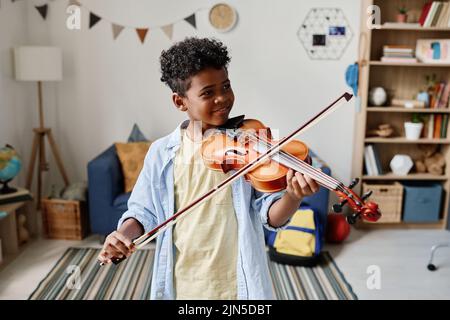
{"x": 64, "y": 219}
{"x": 389, "y": 198}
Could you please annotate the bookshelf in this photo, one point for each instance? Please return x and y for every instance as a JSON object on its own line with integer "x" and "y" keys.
{"x": 401, "y": 80}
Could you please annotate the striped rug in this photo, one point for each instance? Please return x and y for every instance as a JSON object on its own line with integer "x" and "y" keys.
{"x": 77, "y": 275}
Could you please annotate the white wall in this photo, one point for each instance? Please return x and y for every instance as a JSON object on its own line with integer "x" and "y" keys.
{"x": 108, "y": 85}
{"x": 18, "y": 111}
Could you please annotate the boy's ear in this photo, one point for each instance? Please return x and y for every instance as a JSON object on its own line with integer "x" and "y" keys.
{"x": 178, "y": 101}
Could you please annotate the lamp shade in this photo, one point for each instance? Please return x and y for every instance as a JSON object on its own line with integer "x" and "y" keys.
{"x": 38, "y": 63}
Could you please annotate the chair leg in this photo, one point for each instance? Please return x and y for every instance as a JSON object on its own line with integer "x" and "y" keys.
{"x": 430, "y": 265}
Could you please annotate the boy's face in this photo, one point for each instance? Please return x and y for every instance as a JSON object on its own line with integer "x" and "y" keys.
{"x": 209, "y": 98}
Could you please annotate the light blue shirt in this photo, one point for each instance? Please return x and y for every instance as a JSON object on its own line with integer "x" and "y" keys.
{"x": 152, "y": 202}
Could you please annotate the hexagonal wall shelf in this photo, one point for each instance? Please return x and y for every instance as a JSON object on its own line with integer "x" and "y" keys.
{"x": 325, "y": 33}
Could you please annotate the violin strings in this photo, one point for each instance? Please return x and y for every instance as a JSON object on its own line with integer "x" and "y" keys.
{"x": 313, "y": 172}
{"x": 290, "y": 159}
{"x": 334, "y": 184}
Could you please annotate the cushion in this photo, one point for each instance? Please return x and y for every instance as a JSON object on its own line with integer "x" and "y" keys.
{"x": 131, "y": 156}
{"x": 136, "y": 135}
{"x": 121, "y": 201}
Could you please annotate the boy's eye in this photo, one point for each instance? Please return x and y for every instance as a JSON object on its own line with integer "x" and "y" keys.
{"x": 227, "y": 86}
{"x": 206, "y": 93}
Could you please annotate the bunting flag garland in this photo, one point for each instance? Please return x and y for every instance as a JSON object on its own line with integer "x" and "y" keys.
{"x": 168, "y": 30}
{"x": 142, "y": 33}
{"x": 42, "y": 10}
{"x": 93, "y": 19}
{"x": 191, "y": 20}
{"x": 116, "y": 28}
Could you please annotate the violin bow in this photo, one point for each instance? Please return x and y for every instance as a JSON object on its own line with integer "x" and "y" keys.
{"x": 141, "y": 241}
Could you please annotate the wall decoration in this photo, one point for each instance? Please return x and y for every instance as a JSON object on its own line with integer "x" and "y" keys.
{"x": 95, "y": 18}
{"x": 222, "y": 17}
{"x": 325, "y": 33}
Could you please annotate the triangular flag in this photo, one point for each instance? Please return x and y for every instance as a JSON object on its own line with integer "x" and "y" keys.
{"x": 191, "y": 20}
{"x": 142, "y": 33}
{"x": 74, "y": 3}
{"x": 42, "y": 10}
{"x": 116, "y": 29}
{"x": 93, "y": 19}
{"x": 168, "y": 30}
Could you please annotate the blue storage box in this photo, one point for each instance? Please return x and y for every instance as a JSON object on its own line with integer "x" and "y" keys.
{"x": 422, "y": 201}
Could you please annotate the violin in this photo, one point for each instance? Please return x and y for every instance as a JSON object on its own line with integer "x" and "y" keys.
{"x": 246, "y": 146}
{"x": 231, "y": 149}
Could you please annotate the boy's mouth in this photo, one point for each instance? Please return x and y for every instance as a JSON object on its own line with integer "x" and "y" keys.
{"x": 223, "y": 110}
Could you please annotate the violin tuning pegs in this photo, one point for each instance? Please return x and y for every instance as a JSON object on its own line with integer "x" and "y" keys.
{"x": 366, "y": 195}
{"x": 351, "y": 219}
{"x": 353, "y": 183}
{"x": 338, "y": 206}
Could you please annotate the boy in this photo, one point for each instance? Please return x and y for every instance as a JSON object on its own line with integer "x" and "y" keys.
{"x": 217, "y": 251}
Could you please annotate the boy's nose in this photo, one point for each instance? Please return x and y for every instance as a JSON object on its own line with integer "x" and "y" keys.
{"x": 219, "y": 99}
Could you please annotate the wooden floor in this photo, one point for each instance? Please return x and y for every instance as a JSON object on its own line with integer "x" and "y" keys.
{"x": 401, "y": 256}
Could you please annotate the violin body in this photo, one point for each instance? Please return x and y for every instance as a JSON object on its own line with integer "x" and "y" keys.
{"x": 223, "y": 153}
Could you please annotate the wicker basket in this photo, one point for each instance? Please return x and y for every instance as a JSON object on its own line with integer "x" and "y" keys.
{"x": 389, "y": 198}
{"x": 64, "y": 219}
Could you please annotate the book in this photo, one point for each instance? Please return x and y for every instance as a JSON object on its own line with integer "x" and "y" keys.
{"x": 398, "y": 60}
{"x": 377, "y": 159}
{"x": 425, "y": 9}
{"x": 437, "y": 126}
{"x": 430, "y": 127}
{"x": 430, "y": 14}
{"x": 372, "y": 160}
{"x": 437, "y": 14}
{"x": 20, "y": 195}
{"x": 438, "y": 93}
{"x": 444, "y": 126}
{"x": 367, "y": 162}
{"x": 443, "y": 103}
{"x": 443, "y": 17}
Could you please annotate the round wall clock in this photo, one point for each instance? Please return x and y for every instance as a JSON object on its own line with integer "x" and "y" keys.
{"x": 222, "y": 17}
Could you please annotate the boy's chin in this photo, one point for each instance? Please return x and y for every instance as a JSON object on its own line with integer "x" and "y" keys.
{"x": 218, "y": 121}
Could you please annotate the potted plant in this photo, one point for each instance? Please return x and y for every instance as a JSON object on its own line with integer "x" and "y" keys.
{"x": 402, "y": 14}
{"x": 413, "y": 128}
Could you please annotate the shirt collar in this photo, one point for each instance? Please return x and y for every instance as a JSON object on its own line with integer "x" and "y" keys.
{"x": 175, "y": 136}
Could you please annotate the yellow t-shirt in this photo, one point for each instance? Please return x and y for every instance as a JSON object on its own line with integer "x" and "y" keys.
{"x": 206, "y": 239}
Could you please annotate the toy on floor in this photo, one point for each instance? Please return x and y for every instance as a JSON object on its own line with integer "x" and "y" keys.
{"x": 337, "y": 229}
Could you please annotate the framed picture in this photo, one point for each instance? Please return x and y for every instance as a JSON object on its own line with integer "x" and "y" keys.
{"x": 433, "y": 50}
{"x": 336, "y": 31}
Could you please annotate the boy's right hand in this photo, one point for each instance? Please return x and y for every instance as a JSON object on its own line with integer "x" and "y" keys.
{"x": 116, "y": 246}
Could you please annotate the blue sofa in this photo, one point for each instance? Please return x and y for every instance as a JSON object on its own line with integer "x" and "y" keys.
{"x": 107, "y": 200}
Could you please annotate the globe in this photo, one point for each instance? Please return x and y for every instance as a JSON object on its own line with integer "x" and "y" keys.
{"x": 10, "y": 165}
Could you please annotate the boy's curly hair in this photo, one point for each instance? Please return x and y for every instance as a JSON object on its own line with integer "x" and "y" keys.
{"x": 188, "y": 57}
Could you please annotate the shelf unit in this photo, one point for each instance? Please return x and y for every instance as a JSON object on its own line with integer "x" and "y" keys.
{"x": 402, "y": 80}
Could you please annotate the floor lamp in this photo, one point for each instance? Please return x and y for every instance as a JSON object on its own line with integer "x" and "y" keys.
{"x": 40, "y": 64}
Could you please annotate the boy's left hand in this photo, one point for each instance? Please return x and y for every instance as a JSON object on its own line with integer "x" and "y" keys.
{"x": 300, "y": 185}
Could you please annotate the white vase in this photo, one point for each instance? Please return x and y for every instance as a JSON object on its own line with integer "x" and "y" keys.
{"x": 413, "y": 130}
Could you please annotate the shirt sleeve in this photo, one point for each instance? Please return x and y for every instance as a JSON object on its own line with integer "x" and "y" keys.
{"x": 140, "y": 203}
{"x": 261, "y": 203}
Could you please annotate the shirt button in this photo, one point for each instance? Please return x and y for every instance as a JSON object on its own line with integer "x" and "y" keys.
{"x": 159, "y": 294}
